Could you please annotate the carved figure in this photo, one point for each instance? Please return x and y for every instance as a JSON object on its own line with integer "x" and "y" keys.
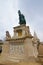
{"x": 7, "y": 35}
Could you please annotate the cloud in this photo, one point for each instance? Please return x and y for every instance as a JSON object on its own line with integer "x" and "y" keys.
{"x": 33, "y": 11}
{"x": 8, "y": 16}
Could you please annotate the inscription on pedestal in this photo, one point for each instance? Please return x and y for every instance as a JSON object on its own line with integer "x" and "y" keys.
{"x": 16, "y": 49}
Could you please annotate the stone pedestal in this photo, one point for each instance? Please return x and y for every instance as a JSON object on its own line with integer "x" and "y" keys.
{"x": 20, "y": 46}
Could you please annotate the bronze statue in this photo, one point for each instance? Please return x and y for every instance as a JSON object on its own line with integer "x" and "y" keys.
{"x": 21, "y": 18}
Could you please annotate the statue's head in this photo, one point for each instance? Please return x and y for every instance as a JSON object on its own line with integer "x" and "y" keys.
{"x": 19, "y": 12}
{"x": 7, "y": 33}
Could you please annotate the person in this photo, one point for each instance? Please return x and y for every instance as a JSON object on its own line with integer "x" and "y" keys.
{"x": 21, "y": 18}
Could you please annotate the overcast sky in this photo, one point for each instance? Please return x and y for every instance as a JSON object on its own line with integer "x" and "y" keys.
{"x": 32, "y": 10}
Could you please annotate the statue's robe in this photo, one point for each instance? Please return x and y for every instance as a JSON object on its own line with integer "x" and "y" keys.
{"x": 22, "y": 19}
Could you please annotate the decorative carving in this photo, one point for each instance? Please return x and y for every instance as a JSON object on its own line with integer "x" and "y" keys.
{"x": 17, "y": 49}
{"x": 7, "y": 35}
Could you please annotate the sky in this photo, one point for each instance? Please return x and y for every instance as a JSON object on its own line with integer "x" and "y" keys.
{"x": 32, "y": 10}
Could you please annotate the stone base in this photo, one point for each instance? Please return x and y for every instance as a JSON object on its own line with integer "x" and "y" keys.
{"x": 20, "y": 63}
